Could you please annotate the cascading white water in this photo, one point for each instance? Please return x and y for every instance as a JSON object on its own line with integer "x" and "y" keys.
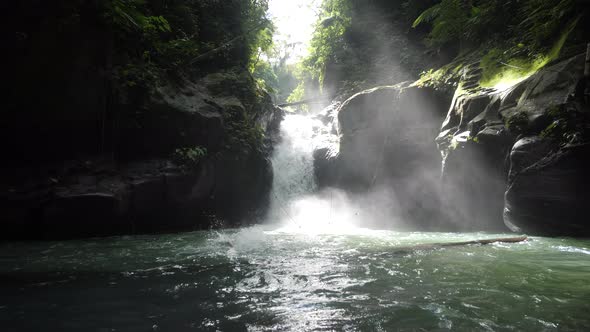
{"x": 296, "y": 205}
{"x": 292, "y": 163}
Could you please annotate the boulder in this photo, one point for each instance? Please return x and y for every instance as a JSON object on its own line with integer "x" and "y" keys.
{"x": 548, "y": 192}
{"x": 387, "y": 132}
{"x": 527, "y": 151}
{"x": 477, "y": 142}
{"x": 386, "y": 138}
{"x": 180, "y": 115}
{"x": 324, "y": 164}
{"x": 473, "y": 180}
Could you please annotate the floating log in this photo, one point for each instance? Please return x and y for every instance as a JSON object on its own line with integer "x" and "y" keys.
{"x": 458, "y": 244}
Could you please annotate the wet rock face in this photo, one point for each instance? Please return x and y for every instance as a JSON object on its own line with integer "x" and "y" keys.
{"x": 175, "y": 117}
{"x": 139, "y": 197}
{"x": 386, "y": 133}
{"x": 189, "y": 114}
{"x": 143, "y": 192}
{"x": 488, "y": 169}
{"x": 386, "y": 138}
{"x": 548, "y": 192}
{"x": 98, "y": 199}
{"x": 241, "y": 192}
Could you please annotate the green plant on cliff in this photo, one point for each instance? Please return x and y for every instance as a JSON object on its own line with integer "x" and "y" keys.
{"x": 157, "y": 40}
{"x": 327, "y": 46}
{"x": 449, "y": 19}
{"x": 189, "y": 158}
{"x": 163, "y": 40}
{"x": 518, "y": 123}
{"x": 445, "y": 78}
{"x": 514, "y": 37}
{"x": 359, "y": 44}
{"x": 244, "y": 135}
{"x": 103, "y": 63}
{"x": 529, "y": 25}
{"x": 568, "y": 125}
{"x": 327, "y": 43}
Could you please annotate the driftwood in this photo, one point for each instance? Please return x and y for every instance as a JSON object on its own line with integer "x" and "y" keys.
{"x": 458, "y": 244}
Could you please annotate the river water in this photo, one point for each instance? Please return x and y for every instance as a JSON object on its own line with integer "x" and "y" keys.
{"x": 312, "y": 267}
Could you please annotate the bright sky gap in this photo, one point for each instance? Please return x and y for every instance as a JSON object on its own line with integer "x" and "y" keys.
{"x": 294, "y": 21}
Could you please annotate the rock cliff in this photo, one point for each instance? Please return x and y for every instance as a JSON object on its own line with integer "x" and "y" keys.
{"x": 385, "y": 138}
{"x": 518, "y": 154}
{"x": 515, "y": 157}
{"x": 146, "y": 190}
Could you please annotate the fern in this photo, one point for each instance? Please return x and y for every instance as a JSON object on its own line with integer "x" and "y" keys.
{"x": 534, "y": 24}
{"x": 428, "y": 15}
{"x": 449, "y": 20}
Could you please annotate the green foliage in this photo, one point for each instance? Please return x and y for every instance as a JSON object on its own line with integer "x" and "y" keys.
{"x": 265, "y": 77}
{"x": 118, "y": 54}
{"x": 514, "y": 38}
{"x": 360, "y": 44}
{"x": 449, "y": 19}
{"x": 442, "y": 79}
{"x": 244, "y": 135}
{"x": 328, "y": 43}
{"x": 518, "y": 123}
{"x": 568, "y": 125}
{"x": 510, "y": 39}
{"x": 287, "y": 81}
{"x": 543, "y": 21}
{"x": 135, "y": 74}
{"x": 280, "y": 75}
{"x": 297, "y": 94}
{"x": 327, "y": 46}
{"x": 511, "y": 65}
{"x": 124, "y": 15}
{"x": 158, "y": 39}
{"x": 189, "y": 158}
{"x": 306, "y": 87}
{"x": 531, "y": 25}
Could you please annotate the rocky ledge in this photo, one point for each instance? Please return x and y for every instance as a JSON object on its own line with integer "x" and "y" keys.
{"x": 513, "y": 158}
{"x": 144, "y": 189}
{"x": 520, "y": 155}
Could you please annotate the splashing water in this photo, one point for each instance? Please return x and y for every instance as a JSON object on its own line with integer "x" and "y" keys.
{"x": 256, "y": 279}
{"x": 292, "y": 164}
{"x": 295, "y": 204}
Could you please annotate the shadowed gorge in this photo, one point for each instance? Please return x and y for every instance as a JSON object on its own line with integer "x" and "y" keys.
{"x": 302, "y": 165}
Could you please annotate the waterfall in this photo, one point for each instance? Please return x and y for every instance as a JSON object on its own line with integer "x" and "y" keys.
{"x": 292, "y": 163}
{"x": 296, "y": 203}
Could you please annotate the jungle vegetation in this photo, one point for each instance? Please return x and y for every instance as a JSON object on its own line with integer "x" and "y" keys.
{"x": 93, "y": 64}
{"x": 436, "y": 39}
{"x": 61, "y": 54}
